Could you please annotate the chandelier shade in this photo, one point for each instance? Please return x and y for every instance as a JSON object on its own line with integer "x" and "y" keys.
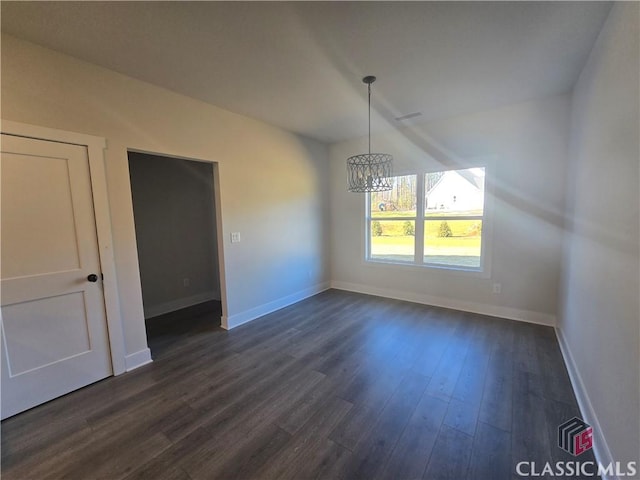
{"x": 369, "y": 172}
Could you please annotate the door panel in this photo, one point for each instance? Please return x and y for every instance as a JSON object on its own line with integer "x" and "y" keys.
{"x": 54, "y": 335}
{"x": 44, "y": 331}
{"x": 44, "y": 228}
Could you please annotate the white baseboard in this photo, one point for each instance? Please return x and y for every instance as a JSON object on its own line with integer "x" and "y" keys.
{"x": 454, "y": 304}
{"x": 137, "y": 359}
{"x": 238, "y": 319}
{"x": 600, "y": 445}
{"x": 173, "y": 305}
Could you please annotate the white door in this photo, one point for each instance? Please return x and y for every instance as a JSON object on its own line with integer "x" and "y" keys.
{"x": 54, "y": 332}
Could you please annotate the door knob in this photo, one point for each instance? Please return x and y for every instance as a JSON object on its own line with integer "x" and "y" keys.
{"x": 92, "y": 277}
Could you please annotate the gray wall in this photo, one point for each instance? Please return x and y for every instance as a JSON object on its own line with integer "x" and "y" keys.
{"x": 526, "y": 145}
{"x": 600, "y": 316}
{"x": 173, "y": 207}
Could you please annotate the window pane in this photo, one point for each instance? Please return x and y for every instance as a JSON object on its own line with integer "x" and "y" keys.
{"x": 454, "y": 192}
{"x": 393, "y": 240}
{"x": 454, "y": 243}
{"x": 400, "y": 201}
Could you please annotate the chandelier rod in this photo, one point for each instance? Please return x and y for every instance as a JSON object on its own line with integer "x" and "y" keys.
{"x": 369, "y": 85}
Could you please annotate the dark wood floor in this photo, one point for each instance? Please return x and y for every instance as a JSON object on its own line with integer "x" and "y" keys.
{"x": 340, "y": 385}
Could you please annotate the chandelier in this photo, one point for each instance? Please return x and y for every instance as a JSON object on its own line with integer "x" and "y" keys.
{"x": 369, "y": 172}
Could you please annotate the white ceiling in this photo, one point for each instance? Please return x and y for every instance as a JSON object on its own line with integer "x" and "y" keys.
{"x": 299, "y": 65}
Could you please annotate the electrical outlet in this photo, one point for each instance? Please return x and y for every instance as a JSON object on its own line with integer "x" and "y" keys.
{"x": 497, "y": 288}
{"x": 235, "y": 237}
{"x": 186, "y": 282}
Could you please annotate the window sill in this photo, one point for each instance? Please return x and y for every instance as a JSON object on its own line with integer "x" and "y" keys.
{"x": 436, "y": 268}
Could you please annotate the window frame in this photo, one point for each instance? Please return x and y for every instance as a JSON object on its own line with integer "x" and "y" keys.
{"x": 484, "y": 270}
{"x": 369, "y": 219}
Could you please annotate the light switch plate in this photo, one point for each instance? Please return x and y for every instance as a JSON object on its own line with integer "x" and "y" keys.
{"x": 235, "y": 237}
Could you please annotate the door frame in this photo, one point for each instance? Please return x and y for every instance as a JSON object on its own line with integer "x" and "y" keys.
{"x": 218, "y": 214}
{"x": 95, "y": 152}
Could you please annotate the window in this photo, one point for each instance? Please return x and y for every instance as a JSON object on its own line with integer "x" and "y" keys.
{"x": 442, "y": 229}
{"x": 392, "y": 223}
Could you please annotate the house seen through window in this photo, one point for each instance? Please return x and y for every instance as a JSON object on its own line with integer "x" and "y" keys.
{"x": 433, "y": 219}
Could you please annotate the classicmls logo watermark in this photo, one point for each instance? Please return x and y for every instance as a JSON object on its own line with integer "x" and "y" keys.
{"x": 576, "y": 437}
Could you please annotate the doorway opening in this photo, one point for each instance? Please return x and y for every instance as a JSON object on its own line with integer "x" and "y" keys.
{"x": 175, "y": 214}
